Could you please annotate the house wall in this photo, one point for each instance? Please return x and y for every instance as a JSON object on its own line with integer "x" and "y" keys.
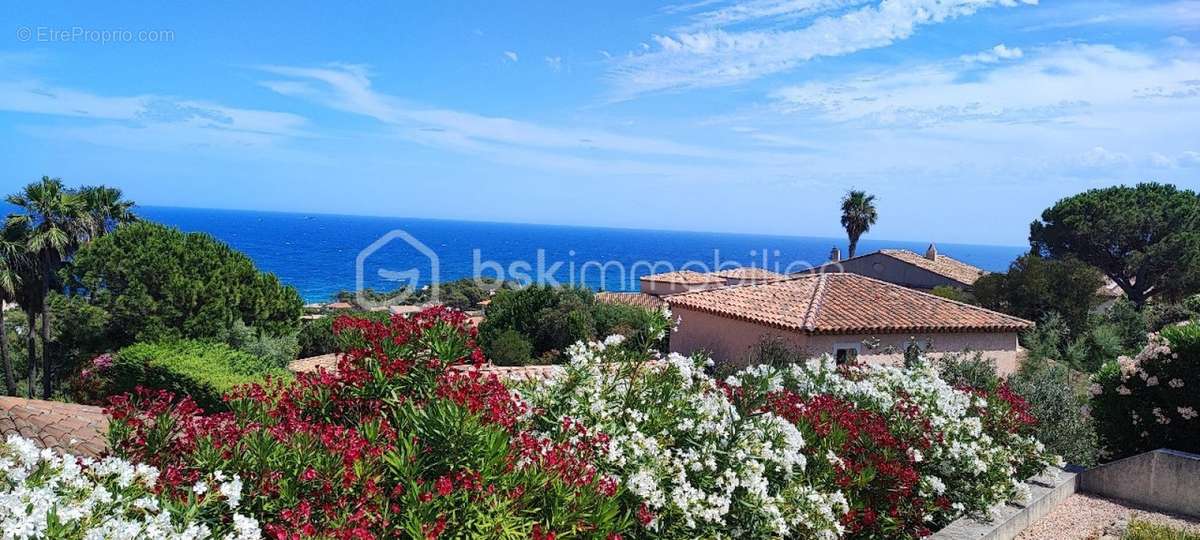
{"x": 891, "y": 270}
{"x": 663, "y": 288}
{"x": 730, "y": 341}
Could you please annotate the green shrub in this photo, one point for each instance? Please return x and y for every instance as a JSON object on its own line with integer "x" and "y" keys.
{"x": 198, "y": 369}
{"x": 510, "y": 348}
{"x": 1064, "y": 425}
{"x": 968, "y": 369}
{"x": 1145, "y": 530}
{"x": 952, "y": 293}
{"x": 1151, "y": 400}
{"x": 278, "y": 351}
{"x": 552, "y": 318}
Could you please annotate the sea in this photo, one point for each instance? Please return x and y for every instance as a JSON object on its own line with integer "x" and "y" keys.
{"x": 322, "y": 254}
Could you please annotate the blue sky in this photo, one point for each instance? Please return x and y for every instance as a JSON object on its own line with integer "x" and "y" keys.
{"x": 964, "y": 117}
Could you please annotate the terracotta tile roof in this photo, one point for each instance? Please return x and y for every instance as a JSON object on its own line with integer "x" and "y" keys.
{"x": 749, "y": 273}
{"x": 684, "y": 277}
{"x": 844, "y": 304}
{"x": 66, "y": 427}
{"x": 638, "y": 299}
{"x": 944, "y": 266}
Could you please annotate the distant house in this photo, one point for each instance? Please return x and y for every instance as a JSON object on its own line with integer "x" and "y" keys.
{"x": 747, "y": 274}
{"x": 843, "y": 314}
{"x": 677, "y": 282}
{"x": 655, "y": 286}
{"x": 907, "y": 268}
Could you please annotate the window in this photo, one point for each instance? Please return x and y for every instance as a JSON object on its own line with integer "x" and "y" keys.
{"x": 846, "y": 353}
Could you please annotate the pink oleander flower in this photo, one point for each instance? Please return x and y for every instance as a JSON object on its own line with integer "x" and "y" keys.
{"x": 103, "y": 361}
{"x": 1096, "y": 389}
{"x": 1187, "y": 413}
{"x": 1123, "y": 390}
{"x": 1175, "y": 383}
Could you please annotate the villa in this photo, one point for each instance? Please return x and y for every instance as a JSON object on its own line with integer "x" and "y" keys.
{"x": 843, "y": 314}
{"x": 906, "y": 268}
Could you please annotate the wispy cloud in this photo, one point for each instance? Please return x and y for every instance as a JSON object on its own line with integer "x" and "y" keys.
{"x": 722, "y": 55}
{"x": 348, "y": 88}
{"x": 994, "y": 54}
{"x": 554, "y": 62}
{"x": 1175, "y": 14}
{"x": 156, "y": 121}
{"x": 511, "y": 56}
{"x": 1055, "y": 83}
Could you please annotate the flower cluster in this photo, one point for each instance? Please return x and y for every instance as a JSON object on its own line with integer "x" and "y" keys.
{"x": 44, "y": 494}
{"x": 1149, "y": 400}
{"x": 969, "y": 452}
{"x": 811, "y": 450}
{"x": 396, "y": 443}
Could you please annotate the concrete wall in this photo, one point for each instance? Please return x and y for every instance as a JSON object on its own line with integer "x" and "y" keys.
{"x": 891, "y": 270}
{"x": 1164, "y": 480}
{"x": 730, "y": 340}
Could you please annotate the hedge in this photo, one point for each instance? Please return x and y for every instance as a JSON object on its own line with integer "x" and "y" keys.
{"x": 198, "y": 369}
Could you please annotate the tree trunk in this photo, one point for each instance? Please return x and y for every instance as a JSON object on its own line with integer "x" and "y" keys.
{"x": 10, "y": 382}
{"x": 47, "y": 369}
{"x": 31, "y": 351}
{"x": 853, "y": 247}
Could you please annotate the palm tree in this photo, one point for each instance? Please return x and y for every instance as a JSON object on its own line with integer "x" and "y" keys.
{"x": 12, "y": 262}
{"x": 57, "y": 223}
{"x": 858, "y": 214}
{"x": 105, "y": 209}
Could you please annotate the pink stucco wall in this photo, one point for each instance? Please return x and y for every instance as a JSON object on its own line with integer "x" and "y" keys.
{"x": 729, "y": 340}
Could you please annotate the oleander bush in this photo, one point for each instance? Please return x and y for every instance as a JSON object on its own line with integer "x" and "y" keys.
{"x": 44, "y": 494}
{"x": 409, "y": 439}
{"x": 201, "y": 370}
{"x": 395, "y": 444}
{"x": 1150, "y": 400}
{"x": 808, "y": 450}
{"x": 316, "y": 336}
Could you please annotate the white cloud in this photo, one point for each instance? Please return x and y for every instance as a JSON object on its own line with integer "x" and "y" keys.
{"x": 1183, "y": 160}
{"x": 717, "y": 57}
{"x": 158, "y": 122}
{"x": 993, "y": 55}
{"x": 1068, "y": 82}
{"x": 349, "y": 89}
{"x": 511, "y": 56}
{"x": 1178, "y": 41}
{"x": 555, "y": 63}
{"x": 1176, "y": 14}
{"x": 1102, "y": 158}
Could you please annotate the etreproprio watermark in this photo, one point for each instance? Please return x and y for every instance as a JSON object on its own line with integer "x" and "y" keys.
{"x": 541, "y": 270}
{"x": 82, "y": 34}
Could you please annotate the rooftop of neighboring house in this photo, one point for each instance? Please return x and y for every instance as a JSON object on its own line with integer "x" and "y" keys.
{"x": 748, "y": 273}
{"x": 684, "y": 277}
{"x": 66, "y": 427}
{"x": 844, "y": 303}
{"x": 932, "y": 261}
{"x": 642, "y": 300}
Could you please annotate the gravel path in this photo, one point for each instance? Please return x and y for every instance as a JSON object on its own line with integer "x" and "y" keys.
{"x": 1085, "y": 517}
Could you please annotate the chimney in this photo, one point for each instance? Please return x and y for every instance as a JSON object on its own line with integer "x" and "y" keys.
{"x": 931, "y": 253}
{"x": 835, "y": 254}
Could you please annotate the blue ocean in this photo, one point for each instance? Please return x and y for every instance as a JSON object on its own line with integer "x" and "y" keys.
{"x": 319, "y": 253}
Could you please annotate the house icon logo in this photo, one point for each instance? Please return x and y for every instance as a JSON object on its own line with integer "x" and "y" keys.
{"x": 408, "y": 280}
